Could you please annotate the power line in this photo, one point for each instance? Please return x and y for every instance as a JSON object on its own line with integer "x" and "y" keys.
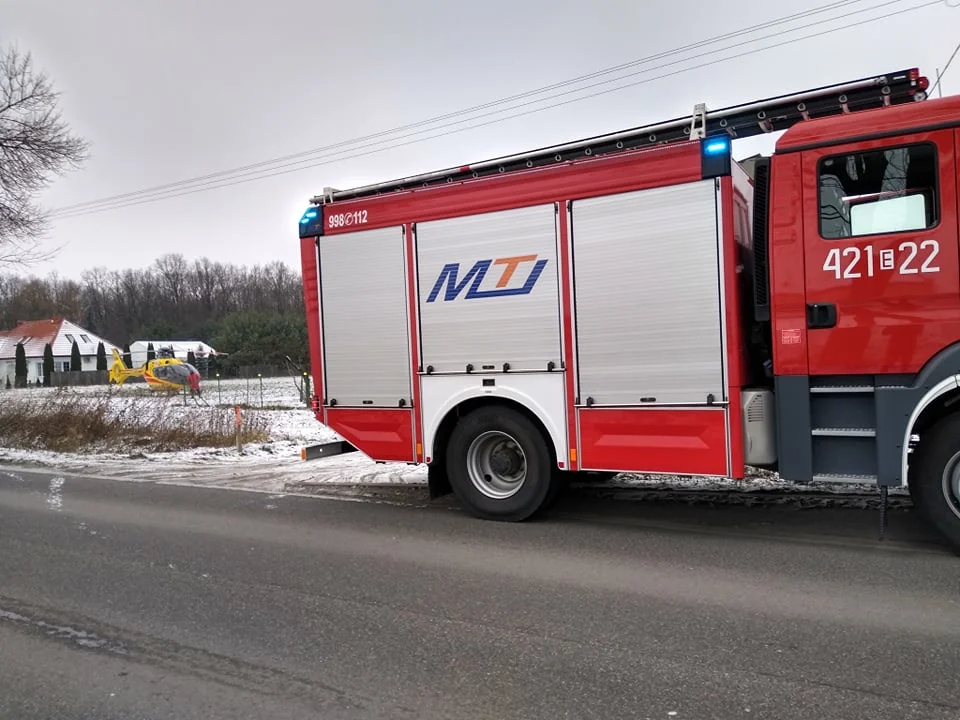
{"x": 181, "y": 183}
{"x": 178, "y": 184}
{"x": 940, "y": 75}
{"x": 311, "y": 163}
{"x": 299, "y": 165}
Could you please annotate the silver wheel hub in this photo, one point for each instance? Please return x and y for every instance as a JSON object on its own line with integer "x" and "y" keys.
{"x": 951, "y": 484}
{"x": 496, "y": 464}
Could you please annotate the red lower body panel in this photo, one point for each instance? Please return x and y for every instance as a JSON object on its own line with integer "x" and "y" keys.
{"x": 381, "y": 434}
{"x": 686, "y": 442}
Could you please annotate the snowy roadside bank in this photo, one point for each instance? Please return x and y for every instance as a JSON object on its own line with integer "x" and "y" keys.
{"x": 275, "y": 465}
{"x": 271, "y": 466}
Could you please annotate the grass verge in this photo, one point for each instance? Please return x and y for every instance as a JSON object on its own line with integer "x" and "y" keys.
{"x": 74, "y": 423}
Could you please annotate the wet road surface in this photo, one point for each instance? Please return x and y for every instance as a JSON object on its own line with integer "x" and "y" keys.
{"x": 126, "y": 600}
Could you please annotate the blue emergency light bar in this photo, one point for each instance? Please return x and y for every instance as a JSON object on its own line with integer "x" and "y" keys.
{"x": 715, "y": 156}
{"x": 311, "y": 222}
{"x": 716, "y": 146}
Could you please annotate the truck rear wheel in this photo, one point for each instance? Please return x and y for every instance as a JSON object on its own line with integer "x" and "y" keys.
{"x": 499, "y": 464}
{"x": 935, "y": 479}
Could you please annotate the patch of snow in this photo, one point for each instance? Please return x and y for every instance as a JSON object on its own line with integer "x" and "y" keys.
{"x": 55, "y": 497}
{"x": 255, "y": 392}
{"x": 275, "y": 465}
{"x": 268, "y": 466}
{"x": 755, "y": 481}
{"x": 80, "y": 637}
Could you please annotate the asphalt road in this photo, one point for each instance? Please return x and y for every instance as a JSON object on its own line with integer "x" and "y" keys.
{"x": 124, "y": 600}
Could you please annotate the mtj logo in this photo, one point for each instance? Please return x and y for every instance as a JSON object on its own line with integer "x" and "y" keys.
{"x": 476, "y": 275}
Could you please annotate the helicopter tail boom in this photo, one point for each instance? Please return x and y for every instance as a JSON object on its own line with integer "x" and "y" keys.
{"x": 119, "y": 370}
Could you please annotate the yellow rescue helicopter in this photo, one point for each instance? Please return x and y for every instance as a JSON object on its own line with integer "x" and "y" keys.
{"x": 165, "y": 372}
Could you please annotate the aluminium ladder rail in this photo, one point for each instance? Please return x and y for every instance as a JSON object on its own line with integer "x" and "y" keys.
{"x": 738, "y": 121}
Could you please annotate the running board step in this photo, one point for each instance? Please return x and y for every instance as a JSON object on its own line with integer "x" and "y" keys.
{"x": 847, "y": 479}
{"x": 844, "y": 432}
{"x": 832, "y": 389}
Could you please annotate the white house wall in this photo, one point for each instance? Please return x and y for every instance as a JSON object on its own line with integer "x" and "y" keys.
{"x": 63, "y": 346}
{"x": 35, "y": 368}
{"x": 8, "y": 369}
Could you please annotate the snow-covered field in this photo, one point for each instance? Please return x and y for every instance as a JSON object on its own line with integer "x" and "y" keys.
{"x": 275, "y": 465}
{"x": 269, "y": 466}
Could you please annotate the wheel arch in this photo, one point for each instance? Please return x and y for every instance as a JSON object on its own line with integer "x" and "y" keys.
{"x": 462, "y": 406}
{"x": 939, "y": 401}
{"x": 906, "y": 405}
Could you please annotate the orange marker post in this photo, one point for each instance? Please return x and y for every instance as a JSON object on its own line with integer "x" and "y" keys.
{"x": 239, "y": 414}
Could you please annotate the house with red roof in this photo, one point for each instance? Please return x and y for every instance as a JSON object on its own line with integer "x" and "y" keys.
{"x": 35, "y": 334}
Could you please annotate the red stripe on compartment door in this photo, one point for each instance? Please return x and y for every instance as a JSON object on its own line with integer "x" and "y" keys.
{"x": 566, "y": 305}
{"x": 412, "y": 301}
{"x": 311, "y": 298}
{"x": 735, "y": 350}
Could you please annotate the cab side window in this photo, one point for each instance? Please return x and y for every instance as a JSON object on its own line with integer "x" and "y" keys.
{"x": 887, "y": 190}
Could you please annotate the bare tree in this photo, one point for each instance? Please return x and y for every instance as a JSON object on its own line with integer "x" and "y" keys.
{"x": 35, "y": 146}
{"x": 170, "y": 297}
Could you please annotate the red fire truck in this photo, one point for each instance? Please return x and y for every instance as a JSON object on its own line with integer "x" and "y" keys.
{"x": 642, "y": 302}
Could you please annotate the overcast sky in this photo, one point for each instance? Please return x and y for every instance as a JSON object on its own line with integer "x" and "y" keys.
{"x": 167, "y": 91}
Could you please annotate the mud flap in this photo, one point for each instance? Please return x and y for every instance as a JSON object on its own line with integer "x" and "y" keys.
{"x": 438, "y": 483}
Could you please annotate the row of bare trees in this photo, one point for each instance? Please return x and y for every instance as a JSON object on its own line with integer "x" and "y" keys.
{"x": 173, "y": 298}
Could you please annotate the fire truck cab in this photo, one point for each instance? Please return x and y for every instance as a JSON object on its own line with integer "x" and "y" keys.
{"x": 642, "y": 302}
{"x": 862, "y": 230}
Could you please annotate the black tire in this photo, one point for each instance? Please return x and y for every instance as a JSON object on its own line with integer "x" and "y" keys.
{"x": 497, "y": 425}
{"x": 559, "y": 486}
{"x": 934, "y": 479}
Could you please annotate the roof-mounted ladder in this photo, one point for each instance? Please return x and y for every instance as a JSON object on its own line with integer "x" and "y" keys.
{"x": 738, "y": 121}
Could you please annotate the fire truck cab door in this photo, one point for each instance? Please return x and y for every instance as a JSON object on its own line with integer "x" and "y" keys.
{"x": 880, "y": 253}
